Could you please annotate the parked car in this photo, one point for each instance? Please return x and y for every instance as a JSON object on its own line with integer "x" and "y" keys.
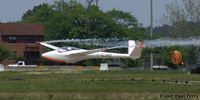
{"x": 160, "y": 67}
{"x": 21, "y": 64}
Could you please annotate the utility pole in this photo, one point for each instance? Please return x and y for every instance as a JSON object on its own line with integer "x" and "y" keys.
{"x": 97, "y": 3}
{"x": 151, "y": 32}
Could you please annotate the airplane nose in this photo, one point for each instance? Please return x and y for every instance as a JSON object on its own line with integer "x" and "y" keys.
{"x": 45, "y": 55}
{"x": 50, "y": 56}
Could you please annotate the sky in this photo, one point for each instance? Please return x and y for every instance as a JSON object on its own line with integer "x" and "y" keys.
{"x": 12, "y": 10}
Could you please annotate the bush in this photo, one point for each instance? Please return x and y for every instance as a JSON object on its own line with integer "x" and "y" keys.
{"x": 4, "y": 52}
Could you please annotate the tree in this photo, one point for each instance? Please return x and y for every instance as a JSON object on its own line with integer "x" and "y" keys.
{"x": 183, "y": 17}
{"x": 39, "y": 14}
{"x": 128, "y": 23}
{"x": 70, "y": 19}
{"x": 4, "y": 52}
{"x": 123, "y": 18}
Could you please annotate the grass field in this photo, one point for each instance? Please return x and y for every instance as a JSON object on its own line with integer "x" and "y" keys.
{"x": 117, "y": 85}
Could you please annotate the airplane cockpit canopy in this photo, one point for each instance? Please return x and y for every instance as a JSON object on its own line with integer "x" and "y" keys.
{"x": 70, "y": 48}
{"x": 66, "y": 48}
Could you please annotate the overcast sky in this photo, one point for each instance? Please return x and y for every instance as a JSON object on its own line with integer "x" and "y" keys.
{"x": 12, "y": 10}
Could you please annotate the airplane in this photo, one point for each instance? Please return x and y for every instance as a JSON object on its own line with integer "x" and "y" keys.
{"x": 73, "y": 54}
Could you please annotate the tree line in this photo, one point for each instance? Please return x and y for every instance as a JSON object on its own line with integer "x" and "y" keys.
{"x": 71, "y": 19}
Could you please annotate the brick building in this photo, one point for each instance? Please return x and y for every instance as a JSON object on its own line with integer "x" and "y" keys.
{"x": 21, "y": 39}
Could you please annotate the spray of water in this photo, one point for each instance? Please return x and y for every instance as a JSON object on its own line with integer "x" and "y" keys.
{"x": 123, "y": 42}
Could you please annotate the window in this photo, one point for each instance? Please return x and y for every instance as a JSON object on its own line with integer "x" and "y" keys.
{"x": 12, "y": 39}
{"x": 31, "y": 39}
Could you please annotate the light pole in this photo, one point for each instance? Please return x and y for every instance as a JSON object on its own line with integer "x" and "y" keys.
{"x": 97, "y": 3}
{"x": 151, "y": 32}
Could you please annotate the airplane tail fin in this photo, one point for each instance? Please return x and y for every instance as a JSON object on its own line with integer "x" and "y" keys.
{"x": 135, "y": 49}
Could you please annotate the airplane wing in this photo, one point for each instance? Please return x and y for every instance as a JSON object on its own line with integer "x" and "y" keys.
{"x": 117, "y": 47}
{"x": 49, "y": 45}
{"x": 87, "y": 52}
{"x": 95, "y": 50}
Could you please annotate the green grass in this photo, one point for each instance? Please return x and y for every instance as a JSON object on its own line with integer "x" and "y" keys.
{"x": 94, "y": 83}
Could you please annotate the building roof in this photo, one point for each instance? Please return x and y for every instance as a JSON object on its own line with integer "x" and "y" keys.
{"x": 21, "y": 29}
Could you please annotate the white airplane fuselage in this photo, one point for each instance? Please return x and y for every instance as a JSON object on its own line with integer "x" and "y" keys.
{"x": 67, "y": 58}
